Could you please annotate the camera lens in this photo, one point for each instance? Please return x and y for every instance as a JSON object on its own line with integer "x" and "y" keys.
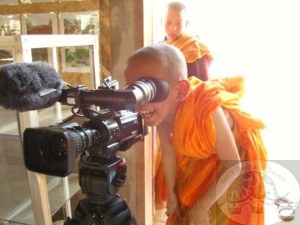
{"x": 54, "y": 147}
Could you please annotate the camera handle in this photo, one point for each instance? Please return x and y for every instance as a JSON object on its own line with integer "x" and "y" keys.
{"x": 100, "y": 179}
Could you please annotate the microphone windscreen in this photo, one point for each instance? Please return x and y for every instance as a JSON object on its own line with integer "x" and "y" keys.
{"x": 29, "y": 86}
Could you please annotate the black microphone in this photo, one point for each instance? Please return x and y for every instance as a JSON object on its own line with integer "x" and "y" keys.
{"x": 29, "y": 86}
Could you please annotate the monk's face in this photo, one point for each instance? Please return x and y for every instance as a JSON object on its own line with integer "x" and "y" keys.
{"x": 175, "y": 23}
{"x": 153, "y": 113}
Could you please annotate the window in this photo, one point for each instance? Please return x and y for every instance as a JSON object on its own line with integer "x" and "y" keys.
{"x": 258, "y": 39}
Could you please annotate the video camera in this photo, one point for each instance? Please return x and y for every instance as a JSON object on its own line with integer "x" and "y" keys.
{"x": 116, "y": 126}
{"x": 52, "y": 150}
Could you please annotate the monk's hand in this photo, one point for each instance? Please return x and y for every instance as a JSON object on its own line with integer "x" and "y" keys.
{"x": 198, "y": 216}
{"x": 172, "y": 206}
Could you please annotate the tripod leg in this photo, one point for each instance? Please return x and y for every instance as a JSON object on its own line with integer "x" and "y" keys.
{"x": 83, "y": 215}
{"x": 68, "y": 221}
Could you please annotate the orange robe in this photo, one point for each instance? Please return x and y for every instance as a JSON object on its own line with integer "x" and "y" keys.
{"x": 193, "y": 139}
{"x": 191, "y": 47}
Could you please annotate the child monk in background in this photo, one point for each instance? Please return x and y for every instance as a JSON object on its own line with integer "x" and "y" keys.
{"x": 197, "y": 55}
{"x": 202, "y": 134}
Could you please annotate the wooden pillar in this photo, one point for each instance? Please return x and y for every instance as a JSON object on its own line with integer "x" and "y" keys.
{"x": 127, "y": 35}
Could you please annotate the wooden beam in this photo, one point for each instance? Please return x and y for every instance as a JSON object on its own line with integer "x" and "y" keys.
{"x": 37, "y": 182}
{"x": 105, "y": 38}
{"x": 45, "y": 7}
{"x": 139, "y": 24}
{"x": 144, "y": 179}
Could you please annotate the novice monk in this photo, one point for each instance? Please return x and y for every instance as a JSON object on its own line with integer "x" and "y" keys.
{"x": 197, "y": 56}
{"x": 198, "y": 141}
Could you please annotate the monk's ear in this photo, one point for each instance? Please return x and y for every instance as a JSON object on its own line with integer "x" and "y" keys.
{"x": 184, "y": 87}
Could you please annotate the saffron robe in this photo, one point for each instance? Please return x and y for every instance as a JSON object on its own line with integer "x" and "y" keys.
{"x": 193, "y": 139}
{"x": 191, "y": 47}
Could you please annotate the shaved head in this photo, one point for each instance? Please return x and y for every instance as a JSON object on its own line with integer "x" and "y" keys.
{"x": 176, "y": 6}
{"x": 161, "y": 61}
{"x": 165, "y": 62}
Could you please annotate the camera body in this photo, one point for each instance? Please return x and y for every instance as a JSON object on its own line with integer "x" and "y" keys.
{"x": 52, "y": 150}
{"x": 113, "y": 125}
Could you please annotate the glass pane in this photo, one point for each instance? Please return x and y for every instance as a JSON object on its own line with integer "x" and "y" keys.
{"x": 10, "y": 25}
{"x": 39, "y": 23}
{"x": 76, "y": 59}
{"x": 6, "y": 56}
{"x": 8, "y": 122}
{"x": 57, "y": 196}
{"x": 14, "y": 190}
{"x": 79, "y": 23}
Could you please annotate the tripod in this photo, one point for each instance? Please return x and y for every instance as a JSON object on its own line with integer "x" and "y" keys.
{"x": 100, "y": 179}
